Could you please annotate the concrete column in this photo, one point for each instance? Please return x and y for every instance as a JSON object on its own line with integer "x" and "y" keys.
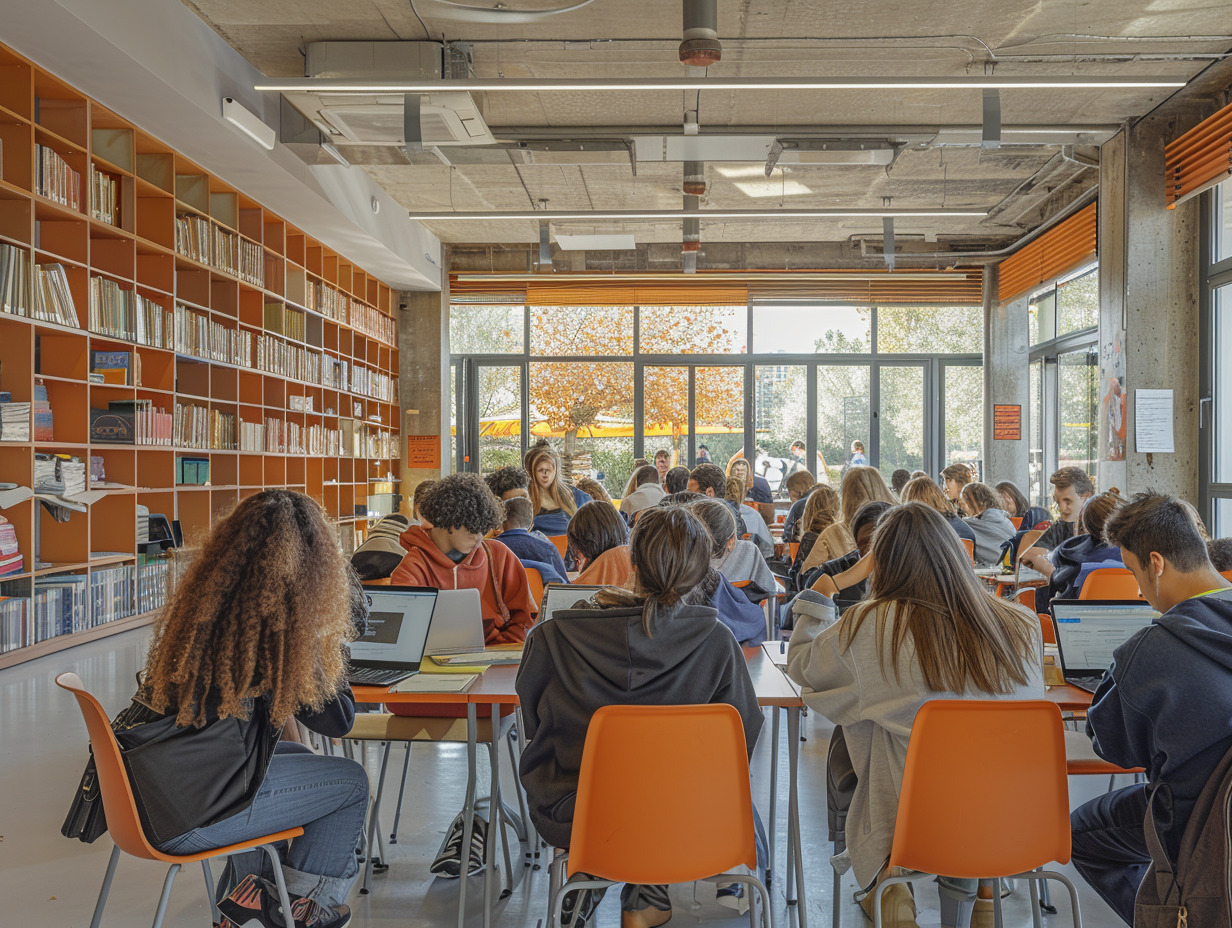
{"x": 1149, "y": 284}
{"x": 1006, "y": 382}
{"x": 423, "y": 380}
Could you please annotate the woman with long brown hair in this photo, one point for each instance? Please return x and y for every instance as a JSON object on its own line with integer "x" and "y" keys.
{"x": 599, "y": 540}
{"x": 822, "y": 508}
{"x": 928, "y": 630}
{"x": 953, "y": 479}
{"x": 555, "y": 501}
{"x": 860, "y": 485}
{"x": 984, "y": 515}
{"x": 924, "y": 489}
{"x": 252, "y": 639}
{"x": 646, "y": 646}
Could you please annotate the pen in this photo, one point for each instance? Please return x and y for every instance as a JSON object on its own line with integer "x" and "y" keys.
{"x": 782, "y": 647}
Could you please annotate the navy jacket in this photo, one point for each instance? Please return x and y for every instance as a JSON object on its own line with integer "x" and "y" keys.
{"x": 1068, "y": 559}
{"x": 1166, "y": 704}
{"x": 528, "y": 546}
{"x": 1032, "y": 516}
{"x": 961, "y": 528}
{"x": 546, "y": 571}
{"x": 760, "y": 491}
{"x": 794, "y": 514}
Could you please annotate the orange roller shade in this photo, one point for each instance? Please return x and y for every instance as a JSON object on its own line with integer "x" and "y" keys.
{"x": 563, "y": 292}
{"x": 1058, "y": 250}
{"x": 1199, "y": 159}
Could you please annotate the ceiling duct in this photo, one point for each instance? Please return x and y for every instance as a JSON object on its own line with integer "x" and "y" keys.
{"x": 701, "y": 46}
{"x": 694, "y": 178}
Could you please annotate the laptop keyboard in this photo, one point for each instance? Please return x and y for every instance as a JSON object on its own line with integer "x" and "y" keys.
{"x": 372, "y": 676}
{"x": 1089, "y": 683}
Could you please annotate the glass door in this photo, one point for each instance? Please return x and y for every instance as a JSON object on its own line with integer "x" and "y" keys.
{"x": 844, "y": 414}
{"x": 666, "y": 415}
{"x": 961, "y": 436}
{"x": 903, "y": 418}
{"x": 1217, "y": 410}
{"x": 780, "y": 421}
{"x": 499, "y": 397}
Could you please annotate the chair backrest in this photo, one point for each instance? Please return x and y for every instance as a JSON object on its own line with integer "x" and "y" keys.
{"x": 970, "y": 546}
{"x": 1016, "y": 521}
{"x": 663, "y": 795}
{"x": 1110, "y": 583}
{"x": 794, "y": 548}
{"x": 1226, "y": 574}
{"x": 1050, "y": 635}
{"x": 119, "y": 806}
{"x": 535, "y": 580}
{"x": 561, "y": 542}
{"x": 984, "y": 791}
{"x": 381, "y": 581}
{"x": 1026, "y": 597}
{"x": 1030, "y": 538}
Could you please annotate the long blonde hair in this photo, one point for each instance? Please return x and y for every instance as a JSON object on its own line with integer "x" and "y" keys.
{"x": 862, "y": 485}
{"x": 925, "y": 490}
{"x": 821, "y": 509}
{"x": 557, "y": 496}
{"x": 964, "y": 638}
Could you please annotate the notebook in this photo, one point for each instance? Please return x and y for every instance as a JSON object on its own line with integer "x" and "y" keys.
{"x": 563, "y": 596}
{"x": 399, "y": 618}
{"x": 1089, "y": 630}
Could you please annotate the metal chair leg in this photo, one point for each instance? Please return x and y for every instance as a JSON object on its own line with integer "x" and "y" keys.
{"x": 106, "y": 890}
{"x": 284, "y": 898}
{"x": 209, "y": 891}
{"x": 406, "y": 767}
{"x": 373, "y": 821}
{"x": 165, "y": 896}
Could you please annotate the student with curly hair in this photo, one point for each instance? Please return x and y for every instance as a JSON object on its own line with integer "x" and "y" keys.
{"x": 253, "y": 639}
{"x": 592, "y": 488}
{"x": 452, "y": 555}
{"x": 507, "y": 482}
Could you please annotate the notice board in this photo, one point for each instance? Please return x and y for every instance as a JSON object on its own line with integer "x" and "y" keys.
{"x": 423, "y": 451}
{"x": 1007, "y": 423}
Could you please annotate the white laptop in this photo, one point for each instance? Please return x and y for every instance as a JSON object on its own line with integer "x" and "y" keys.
{"x": 563, "y": 596}
{"x": 1089, "y": 630}
{"x": 457, "y": 627}
{"x": 399, "y": 619}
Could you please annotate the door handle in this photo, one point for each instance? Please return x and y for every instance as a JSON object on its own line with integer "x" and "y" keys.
{"x": 1203, "y": 403}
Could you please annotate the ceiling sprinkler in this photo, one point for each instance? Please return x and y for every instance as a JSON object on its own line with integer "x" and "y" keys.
{"x": 701, "y": 46}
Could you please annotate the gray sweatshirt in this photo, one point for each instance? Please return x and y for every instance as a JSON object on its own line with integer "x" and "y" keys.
{"x": 992, "y": 529}
{"x": 848, "y": 687}
{"x": 744, "y": 562}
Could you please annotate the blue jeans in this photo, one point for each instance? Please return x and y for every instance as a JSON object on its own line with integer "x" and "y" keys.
{"x": 326, "y": 796}
{"x": 1109, "y": 846}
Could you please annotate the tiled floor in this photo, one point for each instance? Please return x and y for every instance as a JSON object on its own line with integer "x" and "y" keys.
{"x": 47, "y": 880}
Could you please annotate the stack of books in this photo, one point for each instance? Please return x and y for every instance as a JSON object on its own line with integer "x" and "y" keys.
{"x": 14, "y": 629}
{"x": 11, "y": 561}
{"x": 104, "y": 197}
{"x": 44, "y": 424}
{"x": 53, "y": 300}
{"x": 192, "y": 237}
{"x": 14, "y": 280}
{"x": 54, "y": 179}
{"x": 14, "y": 419}
{"x": 73, "y": 472}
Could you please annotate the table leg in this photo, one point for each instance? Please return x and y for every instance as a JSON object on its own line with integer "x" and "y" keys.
{"x": 494, "y": 820}
{"x": 468, "y": 810}
{"x": 795, "y": 841}
{"x": 772, "y": 826}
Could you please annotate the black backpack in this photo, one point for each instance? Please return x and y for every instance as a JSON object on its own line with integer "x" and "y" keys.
{"x": 1197, "y": 892}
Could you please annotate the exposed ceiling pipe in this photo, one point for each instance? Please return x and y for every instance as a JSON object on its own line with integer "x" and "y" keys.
{"x": 701, "y": 46}
{"x": 461, "y": 13}
{"x": 694, "y": 178}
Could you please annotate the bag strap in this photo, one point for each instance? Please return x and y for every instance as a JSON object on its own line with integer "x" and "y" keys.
{"x": 500, "y": 600}
{"x": 1165, "y": 880}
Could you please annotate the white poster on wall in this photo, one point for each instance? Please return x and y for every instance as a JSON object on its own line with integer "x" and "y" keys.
{"x": 1153, "y": 422}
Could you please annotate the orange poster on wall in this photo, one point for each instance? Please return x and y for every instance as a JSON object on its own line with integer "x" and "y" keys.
{"x": 423, "y": 451}
{"x": 1007, "y": 423}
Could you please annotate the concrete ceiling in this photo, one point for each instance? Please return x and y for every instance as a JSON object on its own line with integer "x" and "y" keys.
{"x": 1023, "y": 185}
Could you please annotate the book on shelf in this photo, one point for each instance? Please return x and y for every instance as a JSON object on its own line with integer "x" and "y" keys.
{"x": 191, "y": 471}
{"x": 14, "y": 280}
{"x": 104, "y": 196}
{"x": 116, "y": 366}
{"x": 53, "y": 300}
{"x": 14, "y": 623}
{"x": 192, "y": 237}
{"x": 14, "y": 421}
{"x": 119, "y": 312}
{"x": 44, "y": 421}
{"x": 54, "y": 179}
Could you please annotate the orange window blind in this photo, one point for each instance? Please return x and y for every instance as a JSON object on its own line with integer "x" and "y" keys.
{"x": 1199, "y": 159}
{"x": 1058, "y": 250}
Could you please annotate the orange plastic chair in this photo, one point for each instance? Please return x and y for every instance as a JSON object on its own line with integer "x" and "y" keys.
{"x": 1026, "y": 597}
{"x": 1016, "y": 521}
{"x": 1110, "y": 583}
{"x": 1049, "y": 633}
{"x": 1226, "y": 574}
{"x": 381, "y": 581}
{"x": 633, "y": 824}
{"x": 1003, "y": 760}
{"x": 120, "y": 809}
{"x": 970, "y": 546}
{"x": 535, "y": 579}
{"x": 561, "y": 542}
{"x": 794, "y": 548}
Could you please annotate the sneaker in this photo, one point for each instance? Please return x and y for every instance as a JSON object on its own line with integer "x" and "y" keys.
{"x": 449, "y": 862}
{"x": 306, "y": 913}
{"x": 579, "y": 907}
{"x": 983, "y": 914}
{"x": 732, "y": 895}
{"x": 254, "y": 902}
{"x": 897, "y": 907}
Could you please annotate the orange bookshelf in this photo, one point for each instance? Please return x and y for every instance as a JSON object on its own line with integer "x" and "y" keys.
{"x": 280, "y": 354}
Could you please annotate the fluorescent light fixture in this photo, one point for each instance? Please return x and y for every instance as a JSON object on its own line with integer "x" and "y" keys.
{"x": 763, "y": 188}
{"x": 778, "y": 277}
{"x": 335, "y": 154}
{"x": 549, "y": 84}
{"x": 667, "y": 215}
{"x": 595, "y": 242}
{"x": 247, "y": 122}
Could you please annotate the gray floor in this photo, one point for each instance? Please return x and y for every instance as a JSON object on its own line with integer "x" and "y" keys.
{"x": 47, "y": 880}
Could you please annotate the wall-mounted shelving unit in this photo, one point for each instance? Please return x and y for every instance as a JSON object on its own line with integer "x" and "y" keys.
{"x": 272, "y": 357}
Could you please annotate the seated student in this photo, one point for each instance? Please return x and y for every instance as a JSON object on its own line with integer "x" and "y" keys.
{"x": 1165, "y": 703}
{"x": 381, "y": 551}
{"x": 677, "y": 480}
{"x": 251, "y": 640}
{"x": 822, "y": 508}
{"x": 662, "y": 463}
{"x": 508, "y": 482}
{"x": 933, "y": 632}
{"x": 592, "y": 488}
{"x": 757, "y": 487}
{"x": 738, "y": 560}
{"x": 646, "y": 646}
{"x": 1071, "y": 488}
{"x": 953, "y": 479}
{"x": 750, "y": 518}
{"x": 642, "y": 492}
{"x": 554, "y": 501}
{"x": 530, "y": 547}
{"x": 799, "y": 483}
{"x": 988, "y": 520}
{"x": 709, "y": 480}
{"x": 682, "y": 498}
{"x": 600, "y": 541}
{"x": 1017, "y": 506}
{"x": 1219, "y": 550}
{"x": 898, "y": 480}
{"x": 421, "y": 490}
{"x": 1076, "y": 557}
{"x": 452, "y": 555}
{"x": 924, "y": 489}
{"x": 845, "y": 579}
{"x": 860, "y": 485}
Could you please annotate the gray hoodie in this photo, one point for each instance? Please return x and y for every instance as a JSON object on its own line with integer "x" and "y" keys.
{"x": 992, "y": 529}
{"x": 744, "y": 562}
{"x": 585, "y": 659}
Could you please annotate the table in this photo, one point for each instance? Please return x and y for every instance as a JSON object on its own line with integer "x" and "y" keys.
{"x": 1068, "y": 698}
{"x": 495, "y": 689}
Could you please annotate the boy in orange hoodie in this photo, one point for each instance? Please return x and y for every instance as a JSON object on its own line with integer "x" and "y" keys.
{"x": 452, "y": 555}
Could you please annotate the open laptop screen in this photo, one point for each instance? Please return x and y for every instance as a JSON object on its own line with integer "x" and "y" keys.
{"x": 563, "y": 596}
{"x": 398, "y": 623}
{"x": 1089, "y": 630}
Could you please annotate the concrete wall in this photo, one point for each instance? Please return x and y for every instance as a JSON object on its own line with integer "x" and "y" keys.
{"x": 1006, "y": 382}
{"x": 423, "y": 379}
